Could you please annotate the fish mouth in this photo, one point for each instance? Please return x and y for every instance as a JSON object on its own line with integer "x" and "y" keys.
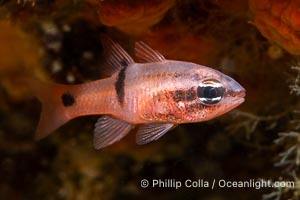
{"x": 239, "y": 101}
{"x": 237, "y": 94}
{"x": 236, "y": 97}
{"x": 240, "y": 96}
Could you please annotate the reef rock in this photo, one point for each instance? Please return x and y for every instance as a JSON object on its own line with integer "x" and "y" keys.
{"x": 132, "y": 17}
{"x": 278, "y": 21}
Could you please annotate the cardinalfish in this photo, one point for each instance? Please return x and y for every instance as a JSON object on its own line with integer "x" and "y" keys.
{"x": 156, "y": 94}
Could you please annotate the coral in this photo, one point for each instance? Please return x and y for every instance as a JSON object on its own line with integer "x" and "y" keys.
{"x": 279, "y": 22}
{"x": 295, "y": 89}
{"x": 132, "y": 17}
{"x": 289, "y": 158}
{"x": 249, "y": 122}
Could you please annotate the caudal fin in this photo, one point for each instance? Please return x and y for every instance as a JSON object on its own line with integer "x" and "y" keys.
{"x": 54, "y": 113}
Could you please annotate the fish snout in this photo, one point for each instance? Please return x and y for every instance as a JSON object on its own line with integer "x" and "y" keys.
{"x": 235, "y": 90}
{"x": 239, "y": 91}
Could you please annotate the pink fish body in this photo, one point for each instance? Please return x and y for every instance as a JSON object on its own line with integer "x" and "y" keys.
{"x": 157, "y": 94}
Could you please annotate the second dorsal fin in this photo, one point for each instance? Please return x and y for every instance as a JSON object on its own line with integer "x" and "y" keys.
{"x": 115, "y": 56}
{"x": 146, "y": 54}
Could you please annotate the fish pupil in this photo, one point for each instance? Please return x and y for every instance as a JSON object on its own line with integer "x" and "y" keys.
{"x": 210, "y": 92}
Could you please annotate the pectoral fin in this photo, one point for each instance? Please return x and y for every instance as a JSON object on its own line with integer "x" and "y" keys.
{"x": 150, "y": 132}
{"x": 109, "y": 130}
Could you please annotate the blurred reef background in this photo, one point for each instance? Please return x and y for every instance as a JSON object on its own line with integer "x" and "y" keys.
{"x": 257, "y": 42}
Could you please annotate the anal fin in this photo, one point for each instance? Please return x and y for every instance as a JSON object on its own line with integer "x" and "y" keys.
{"x": 109, "y": 130}
{"x": 150, "y": 132}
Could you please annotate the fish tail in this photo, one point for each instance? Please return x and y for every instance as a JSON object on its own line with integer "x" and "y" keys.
{"x": 54, "y": 113}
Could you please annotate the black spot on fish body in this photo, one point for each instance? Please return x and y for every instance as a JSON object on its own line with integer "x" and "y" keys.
{"x": 194, "y": 107}
{"x": 120, "y": 84}
{"x": 67, "y": 99}
{"x": 178, "y": 95}
{"x": 191, "y": 94}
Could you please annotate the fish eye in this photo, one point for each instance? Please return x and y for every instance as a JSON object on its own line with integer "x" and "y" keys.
{"x": 210, "y": 91}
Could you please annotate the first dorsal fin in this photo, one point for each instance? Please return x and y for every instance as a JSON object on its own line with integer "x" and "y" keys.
{"x": 146, "y": 54}
{"x": 115, "y": 56}
{"x": 150, "y": 132}
{"x": 109, "y": 130}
